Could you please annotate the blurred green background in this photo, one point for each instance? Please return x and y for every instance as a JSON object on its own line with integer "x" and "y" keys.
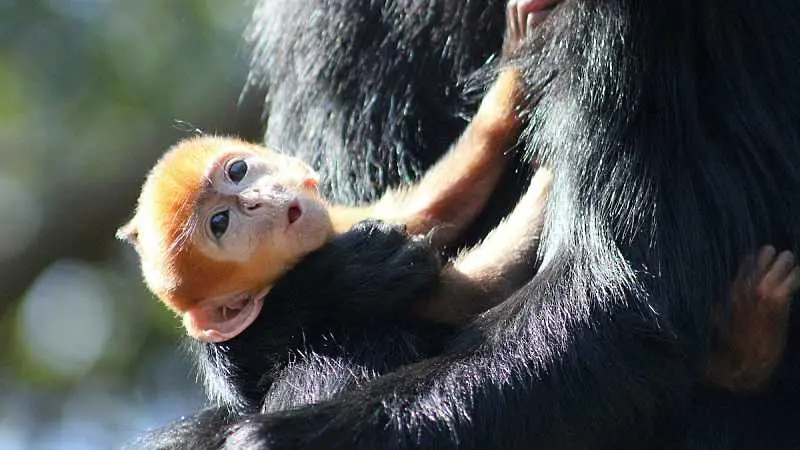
{"x": 91, "y": 93}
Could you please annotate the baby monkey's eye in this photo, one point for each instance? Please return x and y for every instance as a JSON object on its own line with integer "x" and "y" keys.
{"x": 237, "y": 170}
{"x": 219, "y": 223}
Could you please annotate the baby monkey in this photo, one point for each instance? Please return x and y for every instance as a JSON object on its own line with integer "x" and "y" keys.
{"x": 219, "y": 221}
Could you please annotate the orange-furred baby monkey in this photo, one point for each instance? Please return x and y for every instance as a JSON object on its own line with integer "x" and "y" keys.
{"x": 219, "y": 221}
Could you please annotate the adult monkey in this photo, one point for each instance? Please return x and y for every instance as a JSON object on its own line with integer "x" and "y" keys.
{"x": 685, "y": 112}
{"x": 672, "y": 157}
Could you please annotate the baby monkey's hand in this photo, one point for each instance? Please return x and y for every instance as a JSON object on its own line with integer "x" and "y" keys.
{"x": 377, "y": 268}
{"x": 753, "y": 331}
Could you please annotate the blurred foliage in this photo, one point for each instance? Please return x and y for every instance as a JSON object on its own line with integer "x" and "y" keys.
{"x": 91, "y": 92}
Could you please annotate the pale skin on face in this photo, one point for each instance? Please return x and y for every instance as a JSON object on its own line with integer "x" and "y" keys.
{"x": 256, "y": 204}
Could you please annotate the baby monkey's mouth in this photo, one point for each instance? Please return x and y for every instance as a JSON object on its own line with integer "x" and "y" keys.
{"x": 294, "y": 212}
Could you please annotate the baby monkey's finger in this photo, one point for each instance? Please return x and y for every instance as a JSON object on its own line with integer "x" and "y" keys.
{"x": 512, "y": 31}
{"x": 779, "y": 269}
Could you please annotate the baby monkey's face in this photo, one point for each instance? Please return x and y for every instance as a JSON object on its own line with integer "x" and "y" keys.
{"x": 218, "y": 222}
{"x": 259, "y": 206}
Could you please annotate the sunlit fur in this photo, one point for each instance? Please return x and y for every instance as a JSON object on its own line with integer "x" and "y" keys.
{"x": 166, "y": 229}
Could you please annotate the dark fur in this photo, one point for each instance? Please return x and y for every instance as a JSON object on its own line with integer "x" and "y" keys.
{"x": 340, "y": 318}
{"x": 672, "y": 127}
{"x": 358, "y": 288}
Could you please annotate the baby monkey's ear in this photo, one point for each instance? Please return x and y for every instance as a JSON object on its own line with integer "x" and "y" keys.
{"x": 221, "y": 320}
{"x": 129, "y": 233}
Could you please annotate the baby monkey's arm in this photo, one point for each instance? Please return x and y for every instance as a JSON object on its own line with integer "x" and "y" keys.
{"x": 455, "y": 189}
{"x": 488, "y": 273}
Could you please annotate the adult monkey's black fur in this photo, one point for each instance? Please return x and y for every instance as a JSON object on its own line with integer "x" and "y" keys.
{"x": 673, "y": 130}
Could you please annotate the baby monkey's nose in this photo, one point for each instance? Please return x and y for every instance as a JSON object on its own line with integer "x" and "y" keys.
{"x": 251, "y": 201}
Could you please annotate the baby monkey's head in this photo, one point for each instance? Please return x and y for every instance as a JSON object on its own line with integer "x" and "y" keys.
{"x": 218, "y": 221}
